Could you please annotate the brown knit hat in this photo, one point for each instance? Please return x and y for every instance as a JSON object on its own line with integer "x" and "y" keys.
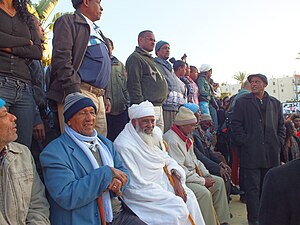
{"x": 184, "y": 116}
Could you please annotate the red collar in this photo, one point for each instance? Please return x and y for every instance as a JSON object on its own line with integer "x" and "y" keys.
{"x": 187, "y": 140}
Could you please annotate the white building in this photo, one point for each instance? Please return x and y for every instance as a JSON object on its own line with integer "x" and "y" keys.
{"x": 283, "y": 89}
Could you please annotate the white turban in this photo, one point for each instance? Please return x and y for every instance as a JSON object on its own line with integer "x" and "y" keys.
{"x": 141, "y": 110}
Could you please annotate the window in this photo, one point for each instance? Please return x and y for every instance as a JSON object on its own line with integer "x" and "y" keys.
{"x": 274, "y": 91}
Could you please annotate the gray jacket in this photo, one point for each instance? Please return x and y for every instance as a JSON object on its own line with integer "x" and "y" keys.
{"x": 23, "y": 199}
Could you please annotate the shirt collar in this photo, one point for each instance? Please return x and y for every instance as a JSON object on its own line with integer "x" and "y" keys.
{"x": 93, "y": 26}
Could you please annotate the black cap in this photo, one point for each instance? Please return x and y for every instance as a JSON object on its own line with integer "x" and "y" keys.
{"x": 261, "y": 76}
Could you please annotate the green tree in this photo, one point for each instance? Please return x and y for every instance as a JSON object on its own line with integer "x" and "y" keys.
{"x": 240, "y": 77}
{"x": 43, "y": 8}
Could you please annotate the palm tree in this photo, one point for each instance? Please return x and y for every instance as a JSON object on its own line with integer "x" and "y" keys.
{"x": 240, "y": 77}
{"x": 43, "y": 8}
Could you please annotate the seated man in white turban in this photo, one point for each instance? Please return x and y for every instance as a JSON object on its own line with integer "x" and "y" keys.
{"x": 150, "y": 193}
{"x": 209, "y": 190}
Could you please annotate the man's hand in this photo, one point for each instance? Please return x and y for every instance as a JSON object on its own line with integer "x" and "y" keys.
{"x": 107, "y": 105}
{"x": 39, "y": 132}
{"x": 8, "y": 50}
{"x": 120, "y": 175}
{"x": 225, "y": 174}
{"x": 226, "y": 167}
{"x": 178, "y": 188}
{"x": 209, "y": 182}
{"x": 115, "y": 186}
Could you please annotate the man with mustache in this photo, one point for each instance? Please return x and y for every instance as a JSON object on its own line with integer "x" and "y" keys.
{"x": 145, "y": 80}
{"x": 83, "y": 173}
{"x": 258, "y": 129}
{"x": 80, "y": 60}
{"x": 209, "y": 189}
{"x": 22, "y": 195}
{"x": 150, "y": 193}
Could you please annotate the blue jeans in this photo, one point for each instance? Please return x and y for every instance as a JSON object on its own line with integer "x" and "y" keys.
{"x": 214, "y": 116}
{"x": 204, "y": 108}
{"x": 19, "y": 99}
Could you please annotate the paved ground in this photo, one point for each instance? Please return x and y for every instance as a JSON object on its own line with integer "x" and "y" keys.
{"x": 238, "y": 210}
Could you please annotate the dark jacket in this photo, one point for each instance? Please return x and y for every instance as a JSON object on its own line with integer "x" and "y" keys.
{"x": 280, "y": 196}
{"x": 145, "y": 81}
{"x": 119, "y": 96}
{"x": 70, "y": 41}
{"x": 260, "y": 137}
{"x": 204, "y": 154}
{"x": 15, "y": 34}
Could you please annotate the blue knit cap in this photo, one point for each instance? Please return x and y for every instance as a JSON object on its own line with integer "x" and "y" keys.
{"x": 74, "y": 102}
{"x": 159, "y": 45}
{"x": 2, "y": 103}
{"x": 192, "y": 106}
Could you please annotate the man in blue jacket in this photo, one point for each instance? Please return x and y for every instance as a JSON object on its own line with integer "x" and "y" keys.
{"x": 83, "y": 173}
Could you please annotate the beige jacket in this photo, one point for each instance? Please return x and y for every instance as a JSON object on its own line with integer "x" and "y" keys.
{"x": 185, "y": 158}
{"x": 22, "y": 197}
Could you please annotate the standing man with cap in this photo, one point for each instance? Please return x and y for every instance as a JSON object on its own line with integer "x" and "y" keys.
{"x": 145, "y": 80}
{"x": 83, "y": 172}
{"x": 175, "y": 97}
{"x": 258, "y": 128}
{"x": 22, "y": 195}
{"x": 204, "y": 88}
{"x": 81, "y": 60}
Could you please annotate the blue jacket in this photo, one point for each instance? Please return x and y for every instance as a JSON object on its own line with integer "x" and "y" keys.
{"x": 72, "y": 182}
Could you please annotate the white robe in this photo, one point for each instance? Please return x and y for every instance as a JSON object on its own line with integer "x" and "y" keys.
{"x": 149, "y": 194}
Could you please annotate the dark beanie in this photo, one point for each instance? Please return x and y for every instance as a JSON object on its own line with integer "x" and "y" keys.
{"x": 76, "y": 2}
{"x": 261, "y": 76}
{"x": 159, "y": 45}
{"x": 74, "y": 102}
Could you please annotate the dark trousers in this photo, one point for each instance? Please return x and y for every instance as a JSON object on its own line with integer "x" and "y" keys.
{"x": 126, "y": 217}
{"x": 253, "y": 180}
{"x": 115, "y": 124}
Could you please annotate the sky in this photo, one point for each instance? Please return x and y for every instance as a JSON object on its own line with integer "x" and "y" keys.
{"x": 257, "y": 36}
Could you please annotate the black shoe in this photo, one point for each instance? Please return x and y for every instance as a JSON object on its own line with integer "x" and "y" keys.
{"x": 235, "y": 190}
{"x": 243, "y": 199}
{"x": 224, "y": 224}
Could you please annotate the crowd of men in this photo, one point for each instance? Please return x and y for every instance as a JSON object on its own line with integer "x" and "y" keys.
{"x": 148, "y": 142}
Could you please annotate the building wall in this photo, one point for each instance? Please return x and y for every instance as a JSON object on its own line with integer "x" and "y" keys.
{"x": 282, "y": 88}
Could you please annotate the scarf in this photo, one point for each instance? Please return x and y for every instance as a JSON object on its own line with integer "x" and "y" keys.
{"x": 105, "y": 156}
{"x": 187, "y": 140}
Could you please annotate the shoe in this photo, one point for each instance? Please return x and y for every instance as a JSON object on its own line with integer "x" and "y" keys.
{"x": 224, "y": 224}
{"x": 243, "y": 198}
{"x": 236, "y": 191}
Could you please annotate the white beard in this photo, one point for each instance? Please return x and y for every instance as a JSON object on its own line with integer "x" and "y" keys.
{"x": 152, "y": 139}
